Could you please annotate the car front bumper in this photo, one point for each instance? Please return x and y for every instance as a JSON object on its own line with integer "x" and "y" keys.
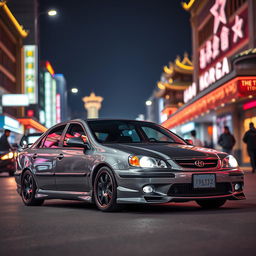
{"x": 176, "y": 186}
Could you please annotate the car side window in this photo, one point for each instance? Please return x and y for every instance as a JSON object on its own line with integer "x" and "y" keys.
{"x": 75, "y": 130}
{"x": 53, "y": 138}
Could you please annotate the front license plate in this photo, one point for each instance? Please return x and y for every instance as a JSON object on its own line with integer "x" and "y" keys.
{"x": 204, "y": 181}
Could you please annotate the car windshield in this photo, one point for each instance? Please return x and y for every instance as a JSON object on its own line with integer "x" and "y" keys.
{"x": 119, "y": 131}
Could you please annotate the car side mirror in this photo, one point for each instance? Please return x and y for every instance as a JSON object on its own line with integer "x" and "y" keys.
{"x": 190, "y": 142}
{"x": 24, "y": 144}
{"x": 77, "y": 142}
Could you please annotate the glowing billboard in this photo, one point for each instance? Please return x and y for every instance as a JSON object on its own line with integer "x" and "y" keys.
{"x": 30, "y": 72}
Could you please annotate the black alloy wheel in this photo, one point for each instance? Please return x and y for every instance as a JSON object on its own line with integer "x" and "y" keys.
{"x": 211, "y": 203}
{"x": 28, "y": 190}
{"x": 105, "y": 190}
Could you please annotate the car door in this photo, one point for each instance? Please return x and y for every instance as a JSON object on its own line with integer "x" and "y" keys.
{"x": 44, "y": 158}
{"x": 72, "y": 169}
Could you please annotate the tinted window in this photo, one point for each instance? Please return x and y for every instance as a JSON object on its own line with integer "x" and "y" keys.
{"x": 118, "y": 131}
{"x": 53, "y": 138}
{"x": 74, "y": 130}
{"x": 114, "y": 131}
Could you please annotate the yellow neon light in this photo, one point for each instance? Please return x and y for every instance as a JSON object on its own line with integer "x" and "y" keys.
{"x": 183, "y": 66}
{"x": 160, "y": 86}
{"x": 187, "y": 6}
{"x": 185, "y": 63}
{"x": 20, "y": 29}
{"x": 33, "y": 123}
{"x": 168, "y": 70}
{"x": 176, "y": 87}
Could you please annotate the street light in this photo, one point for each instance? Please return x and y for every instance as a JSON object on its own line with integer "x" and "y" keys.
{"x": 52, "y": 12}
{"x": 148, "y": 102}
{"x": 74, "y": 90}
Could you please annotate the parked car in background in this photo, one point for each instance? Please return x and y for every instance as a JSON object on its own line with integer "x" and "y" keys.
{"x": 114, "y": 162}
{"x": 8, "y": 158}
{"x": 7, "y": 162}
{"x": 29, "y": 139}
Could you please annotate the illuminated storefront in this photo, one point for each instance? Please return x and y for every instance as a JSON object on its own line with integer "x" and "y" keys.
{"x": 223, "y": 91}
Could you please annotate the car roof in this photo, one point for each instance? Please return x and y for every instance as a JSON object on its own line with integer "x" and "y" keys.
{"x": 115, "y": 119}
{"x": 97, "y": 119}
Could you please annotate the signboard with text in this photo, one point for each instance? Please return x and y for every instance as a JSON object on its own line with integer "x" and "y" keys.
{"x": 228, "y": 35}
{"x": 15, "y": 100}
{"x": 30, "y": 72}
{"x": 246, "y": 87}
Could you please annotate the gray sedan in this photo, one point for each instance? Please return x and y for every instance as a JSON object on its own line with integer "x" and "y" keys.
{"x": 115, "y": 162}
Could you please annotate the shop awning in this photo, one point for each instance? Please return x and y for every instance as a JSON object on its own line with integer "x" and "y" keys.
{"x": 32, "y": 123}
{"x": 228, "y": 92}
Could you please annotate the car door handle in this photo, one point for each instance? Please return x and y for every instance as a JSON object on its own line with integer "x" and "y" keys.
{"x": 34, "y": 156}
{"x": 60, "y": 156}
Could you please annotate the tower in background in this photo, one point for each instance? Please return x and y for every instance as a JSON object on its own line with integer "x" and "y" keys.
{"x": 92, "y": 104}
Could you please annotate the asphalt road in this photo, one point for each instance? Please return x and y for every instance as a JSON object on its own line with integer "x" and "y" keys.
{"x": 75, "y": 228}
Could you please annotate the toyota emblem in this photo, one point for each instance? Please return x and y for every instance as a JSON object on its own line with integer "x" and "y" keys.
{"x": 199, "y": 163}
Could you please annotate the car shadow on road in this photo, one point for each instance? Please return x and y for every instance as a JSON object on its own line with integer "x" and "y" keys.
{"x": 181, "y": 208}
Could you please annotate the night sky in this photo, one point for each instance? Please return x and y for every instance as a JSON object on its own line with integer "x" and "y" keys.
{"x": 116, "y": 48}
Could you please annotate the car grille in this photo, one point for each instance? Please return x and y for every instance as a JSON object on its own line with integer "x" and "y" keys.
{"x": 191, "y": 163}
{"x": 186, "y": 189}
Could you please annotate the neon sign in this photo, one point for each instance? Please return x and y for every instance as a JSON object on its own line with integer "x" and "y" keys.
{"x": 224, "y": 94}
{"x": 190, "y": 93}
{"x": 214, "y": 74}
{"x": 30, "y": 72}
{"x": 58, "y": 108}
{"x": 213, "y": 62}
{"x": 247, "y": 87}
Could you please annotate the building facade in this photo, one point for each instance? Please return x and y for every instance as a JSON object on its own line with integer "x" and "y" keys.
{"x": 18, "y": 73}
{"x": 11, "y": 59}
{"x": 168, "y": 97}
{"x": 223, "y": 92}
{"x": 47, "y": 95}
{"x": 11, "y": 69}
{"x": 61, "y": 98}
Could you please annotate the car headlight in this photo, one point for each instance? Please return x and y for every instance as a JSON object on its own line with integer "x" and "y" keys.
{"x": 229, "y": 162}
{"x": 146, "y": 162}
{"x": 7, "y": 156}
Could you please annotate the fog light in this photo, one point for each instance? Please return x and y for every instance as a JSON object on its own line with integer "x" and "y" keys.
{"x": 147, "y": 189}
{"x": 237, "y": 187}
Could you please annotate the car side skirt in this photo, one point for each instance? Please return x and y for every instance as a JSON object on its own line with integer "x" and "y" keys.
{"x": 67, "y": 195}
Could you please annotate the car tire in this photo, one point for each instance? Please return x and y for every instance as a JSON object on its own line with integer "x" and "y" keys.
{"x": 105, "y": 190}
{"x": 28, "y": 190}
{"x": 211, "y": 203}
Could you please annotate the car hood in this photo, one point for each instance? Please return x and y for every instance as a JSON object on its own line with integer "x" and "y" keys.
{"x": 168, "y": 151}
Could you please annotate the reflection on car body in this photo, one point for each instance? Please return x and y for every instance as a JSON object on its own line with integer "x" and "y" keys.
{"x": 114, "y": 162}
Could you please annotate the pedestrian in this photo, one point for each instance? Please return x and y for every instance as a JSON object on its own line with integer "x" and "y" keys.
{"x": 250, "y": 139}
{"x": 4, "y": 144}
{"x": 227, "y": 140}
{"x": 196, "y": 142}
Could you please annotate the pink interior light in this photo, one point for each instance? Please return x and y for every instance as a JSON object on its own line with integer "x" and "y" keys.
{"x": 248, "y": 105}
